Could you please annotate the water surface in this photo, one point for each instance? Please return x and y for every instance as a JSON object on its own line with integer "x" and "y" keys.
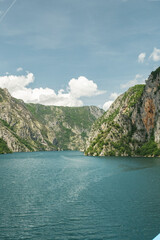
{"x": 65, "y": 195}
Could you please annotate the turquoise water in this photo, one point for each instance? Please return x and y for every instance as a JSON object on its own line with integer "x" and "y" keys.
{"x": 65, "y": 195}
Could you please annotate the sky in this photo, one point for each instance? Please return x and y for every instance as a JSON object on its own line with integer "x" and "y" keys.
{"x": 77, "y": 52}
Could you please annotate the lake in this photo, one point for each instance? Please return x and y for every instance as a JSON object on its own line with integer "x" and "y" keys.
{"x": 69, "y": 196}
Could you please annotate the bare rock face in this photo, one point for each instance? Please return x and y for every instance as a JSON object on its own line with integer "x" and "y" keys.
{"x": 131, "y": 126}
{"x": 34, "y": 127}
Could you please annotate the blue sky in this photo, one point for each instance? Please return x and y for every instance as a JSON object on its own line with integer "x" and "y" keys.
{"x": 77, "y": 52}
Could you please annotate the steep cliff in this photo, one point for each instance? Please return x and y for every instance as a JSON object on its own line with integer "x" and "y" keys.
{"x": 31, "y": 127}
{"x": 131, "y": 126}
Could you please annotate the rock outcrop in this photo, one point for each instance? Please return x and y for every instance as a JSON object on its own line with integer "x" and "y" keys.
{"x": 131, "y": 126}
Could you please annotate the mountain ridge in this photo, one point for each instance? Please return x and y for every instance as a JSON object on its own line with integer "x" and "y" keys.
{"x": 131, "y": 126}
{"x": 34, "y": 127}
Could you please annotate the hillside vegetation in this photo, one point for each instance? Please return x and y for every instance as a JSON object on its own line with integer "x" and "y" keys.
{"x": 131, "y": 125}
{"x": 34, "y": 127}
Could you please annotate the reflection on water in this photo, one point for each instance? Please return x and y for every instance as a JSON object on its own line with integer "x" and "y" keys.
{"x": 65, "y": 195}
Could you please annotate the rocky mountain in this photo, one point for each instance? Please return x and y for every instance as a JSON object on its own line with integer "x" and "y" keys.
{"x": 68, "y": 127}
{"x": 34, "y": 127}
{"x": 131, "y": 126}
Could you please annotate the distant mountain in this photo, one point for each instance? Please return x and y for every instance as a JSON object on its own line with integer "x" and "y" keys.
{"x": 131, "y": 126}
{"x": 34, "y": 127}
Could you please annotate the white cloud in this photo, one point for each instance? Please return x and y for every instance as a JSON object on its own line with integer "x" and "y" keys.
{"x": 141, "y": 57}
{"x": 155, "y": 55}
{"x": 82, "y": 87}
{"x": 77, "y": 88}
{"x": 107, "y": 105}
{"x": 139, "y": 79}
{"x": 114, "y": 95}
{"x": 20, "y": 69}
{"x": 15, "y": 83}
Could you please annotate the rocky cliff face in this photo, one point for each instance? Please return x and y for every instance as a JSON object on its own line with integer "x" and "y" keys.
{"x": 31, "y": 127}
{"x": 131, "y": 126}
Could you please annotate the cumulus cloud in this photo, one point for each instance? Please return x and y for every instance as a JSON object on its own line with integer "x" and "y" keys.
{"x": 139, "y": 79}
{"x": 15, "y": 83}
{"x": 114, "y": 95}
{"x": 141, "y": 57}
{"x": 155, "y": 55}
{"x": 107, "y": 104}
{"x": 77, "y": 88}
{"x": 20, "y": 69}
{"x": 82, "y": 87}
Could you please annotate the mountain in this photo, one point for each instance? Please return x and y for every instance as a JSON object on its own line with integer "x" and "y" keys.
{"x": 68, "y": 127}
{"x": 131, "y": 126}
{"x": 34, "y": 127}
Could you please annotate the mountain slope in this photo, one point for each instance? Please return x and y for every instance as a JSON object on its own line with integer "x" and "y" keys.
{"x": 18, "y": 128}
{"x": 131, "y": 126}
{"x": 69, "y": 127}
{"x": 31, "y": 127}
